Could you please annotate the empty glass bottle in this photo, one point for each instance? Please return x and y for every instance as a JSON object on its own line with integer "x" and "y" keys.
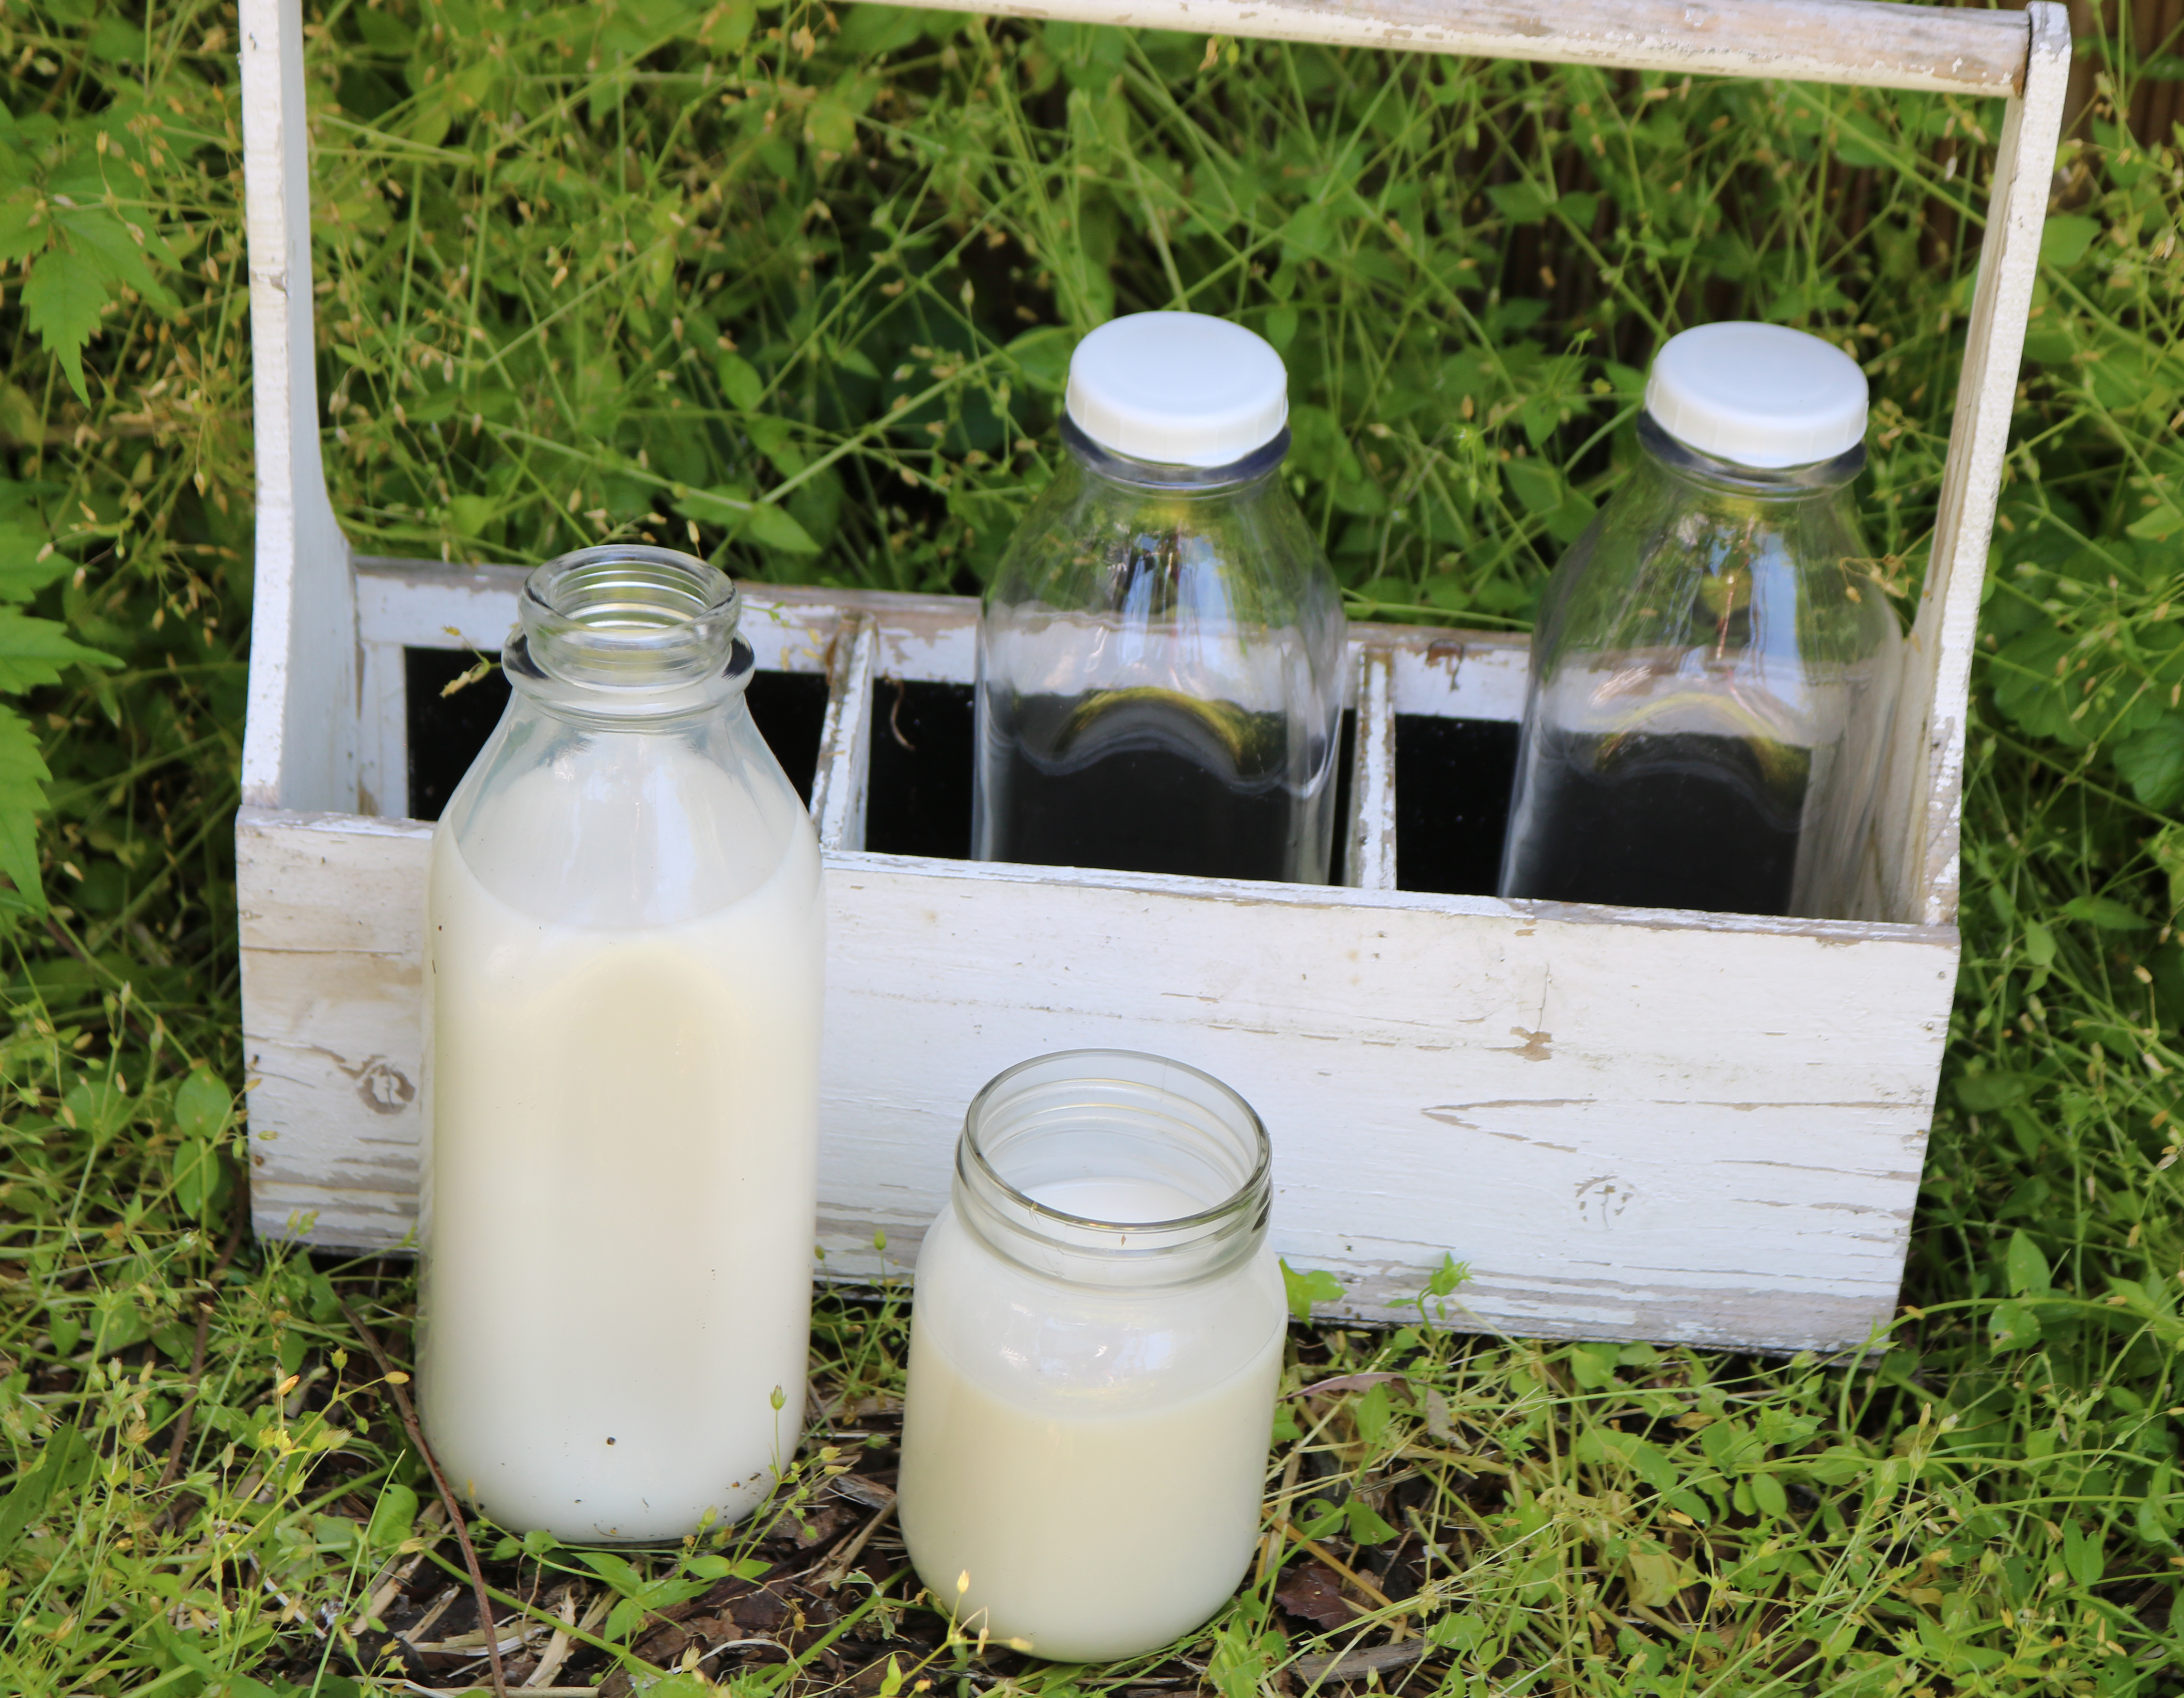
{"x": 1160, "y": 681}
{"x": 1715, "y": 666}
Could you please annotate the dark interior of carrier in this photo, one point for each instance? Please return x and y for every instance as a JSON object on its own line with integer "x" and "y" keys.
{"x": 1452, "y": 776}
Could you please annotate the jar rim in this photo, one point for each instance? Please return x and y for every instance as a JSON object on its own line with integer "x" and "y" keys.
{"x": 1060, "y": 1093}
{"x": 634, "y": 627}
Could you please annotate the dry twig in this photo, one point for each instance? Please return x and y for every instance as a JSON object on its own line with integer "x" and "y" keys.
{"x": 462, "y": 1531}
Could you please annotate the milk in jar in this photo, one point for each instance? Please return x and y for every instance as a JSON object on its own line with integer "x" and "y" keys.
{"x": 623, "y": 973}
{"x": 1097, "y": 1324}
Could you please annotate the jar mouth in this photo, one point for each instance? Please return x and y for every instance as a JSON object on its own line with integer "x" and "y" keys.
{"x": 1053, "y": 1149}
{"x": 1145, "y": 474}
{"x": 626, "y": 617}
{"x": 1748, "y": 479}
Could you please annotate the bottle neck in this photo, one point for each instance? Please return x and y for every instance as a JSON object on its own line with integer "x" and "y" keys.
{"x": 1690, "y": 465}
{"x": 628, "y": 633}
{"x": 1055, "y": 1150}
{"x": 1260, "y": 464}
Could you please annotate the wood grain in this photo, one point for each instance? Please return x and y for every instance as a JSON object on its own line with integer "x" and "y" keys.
{"x": 1876, "y": 46}
{"x": 299, "y": 744}
{"x": 1368, "y": 859}
{"x": 1924, "y": 796}
{"x": 1630, "y": 1124}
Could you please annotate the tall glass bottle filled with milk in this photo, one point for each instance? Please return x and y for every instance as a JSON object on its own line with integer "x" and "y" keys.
{"x": 1160, "y": 657}
{"x": 622, "y": 963}
{"x": 1095, "y": 1343}
{"x": 1715, "y": 666}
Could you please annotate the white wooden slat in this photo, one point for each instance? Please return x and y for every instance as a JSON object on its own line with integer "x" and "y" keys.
{"x": 1923, "y": 794}
{"x": 1631, "y": 1124}
{"x": 426, "y": 605}
{"x": 333, "y": 922}
{"x": 1454, "y": 674}
{"x": 383, "y": 706}
{"x": 1369, "y": 861}
{"x": 923, "y": 638}
{"x": 1877, "y": 46}
{"x": 300, "y": 746}
{"x": 841, "y": 782}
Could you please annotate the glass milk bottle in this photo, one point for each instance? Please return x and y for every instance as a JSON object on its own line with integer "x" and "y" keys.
{"x": 623, "y": 959}
{"x": 1714, "y": 669}
{"x": 1095, "y": 1343}
{"x": 1160, "y": 657}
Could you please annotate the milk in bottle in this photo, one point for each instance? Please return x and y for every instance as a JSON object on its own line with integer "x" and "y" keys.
{"x": 623, "y": 961}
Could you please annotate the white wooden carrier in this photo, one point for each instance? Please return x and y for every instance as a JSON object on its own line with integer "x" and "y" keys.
{"x": 1630, "y": 1124}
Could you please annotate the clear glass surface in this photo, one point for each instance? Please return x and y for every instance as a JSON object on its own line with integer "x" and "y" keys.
{"x": 623, "y": 956}
{"x": 1159, "y": 675}
{"x": 1714, "y": 672}
{"x": 1097, "y": 1322}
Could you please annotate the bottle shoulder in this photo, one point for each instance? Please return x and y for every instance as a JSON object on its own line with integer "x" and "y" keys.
{"x": 620, "y": 828}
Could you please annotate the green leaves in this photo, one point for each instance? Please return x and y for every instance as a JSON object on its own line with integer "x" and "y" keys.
{"x": 1364, "y": 1524}
{"x": 771, "y": 527}
{"x": 2064, "y": 238}
{"x": 92, "y": 257}
{"x": 1305, "y": 1289}
{"x": 641, "y": 1597}
{"x": 2025, "y": 1267}
{"x": 33, "y": 652}
{"x": 65, "y": 1464}
{"x": 2083, "y": 1557}
{"x": 392, "y": 1516}
{"x": 61, "y": 303}
{"x": 1982, "y": 1092}
{"x": 1244, "y": 1655}
{"x": 23, "y": 778}
{"x": 2152, "y": 762}
{"x": 202, "y": 1111}
{"x": 202, "y": 1106}
{"x": 760, "y": 521}
{"x": 1657, "y": 1575}
{"x": 2105, "y": 913}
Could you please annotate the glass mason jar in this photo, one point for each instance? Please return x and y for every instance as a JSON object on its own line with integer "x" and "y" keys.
{"x": 1160, "y": 657}
{"x": 1096, "y": 1335}
{"x": 1715, "y": 666}
{"x": 622, "y": 968}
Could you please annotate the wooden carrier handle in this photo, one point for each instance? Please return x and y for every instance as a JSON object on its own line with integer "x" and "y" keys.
{"x": 1859, "y": 41}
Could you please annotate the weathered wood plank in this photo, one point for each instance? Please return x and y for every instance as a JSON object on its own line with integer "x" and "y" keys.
{"x": 1876, "y": 46}
{"x": 842, "y": 781}
{"x": 382, "y": 701}
{"x": 1368, "y": 860}
{"x": 299, "y": 743}
{"x": 1630, "y": 1124}
{"x": 923, "y": 638}
{"x": 332, "y": 921}
{"x": 1922, "y": 795}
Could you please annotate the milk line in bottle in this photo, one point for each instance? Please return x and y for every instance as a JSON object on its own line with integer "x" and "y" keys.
{"x": 1097, "y": 1331}
{"x": 623, "y": 961}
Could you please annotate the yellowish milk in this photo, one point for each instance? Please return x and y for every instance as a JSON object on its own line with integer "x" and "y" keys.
{"x": 1069, "y": 1454}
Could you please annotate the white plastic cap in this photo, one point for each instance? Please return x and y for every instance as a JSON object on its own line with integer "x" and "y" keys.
{"x": 1759, "y": 395}
{"x": 1177, "y": 389}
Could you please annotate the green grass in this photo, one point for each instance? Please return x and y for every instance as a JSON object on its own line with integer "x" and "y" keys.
{"x": 795, "y": 289}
